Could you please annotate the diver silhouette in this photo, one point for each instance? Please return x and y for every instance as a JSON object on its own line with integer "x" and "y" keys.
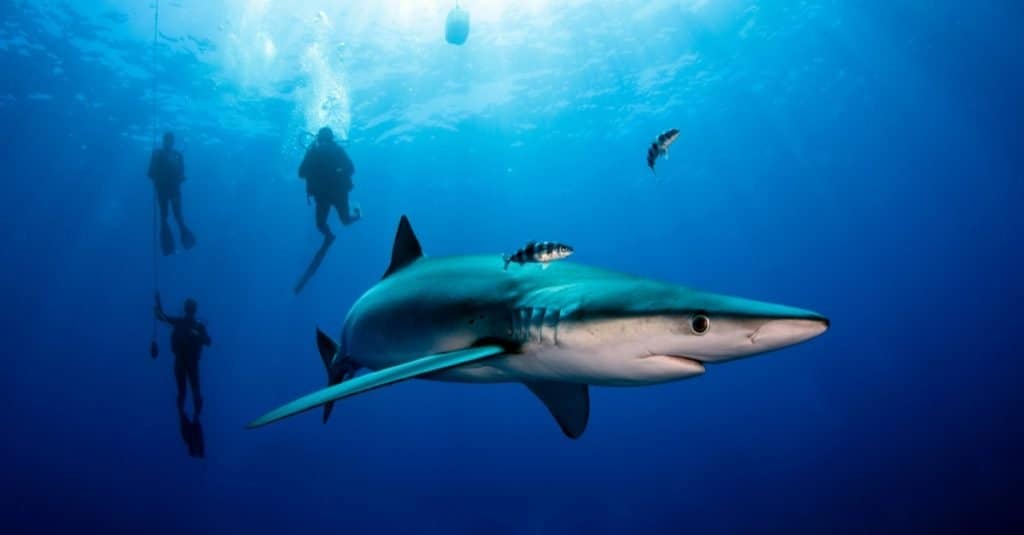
{"x": 328, "y": 171}
{"x": 188, "y": 336}
{"x": 167, "y": 171}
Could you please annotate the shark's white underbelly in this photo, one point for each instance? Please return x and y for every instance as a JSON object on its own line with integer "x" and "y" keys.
{"x": 546, "y": 346}
{"x": 543, "y": 351}
{"x": 560, "y": 365}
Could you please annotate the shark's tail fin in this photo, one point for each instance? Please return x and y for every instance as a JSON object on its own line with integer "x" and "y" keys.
{"x": 328, "y": 349}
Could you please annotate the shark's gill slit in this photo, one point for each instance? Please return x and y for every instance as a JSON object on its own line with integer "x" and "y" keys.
{"x": 537, "y": 322}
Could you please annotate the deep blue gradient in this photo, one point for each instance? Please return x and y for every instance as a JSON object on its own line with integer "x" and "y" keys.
{"x": 860, "y": 159}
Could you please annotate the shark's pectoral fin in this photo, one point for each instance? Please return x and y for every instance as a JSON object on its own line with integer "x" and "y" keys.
{"x": 569, "y": 403}
{"x": 377, "y": 379}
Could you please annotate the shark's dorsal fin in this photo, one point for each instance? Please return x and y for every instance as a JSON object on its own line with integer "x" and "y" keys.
{"x": 569, "y": 403}
{"x": 406, "y": 249}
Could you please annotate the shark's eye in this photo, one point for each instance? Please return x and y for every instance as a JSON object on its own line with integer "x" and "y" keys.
{"x": 700, "y": 324}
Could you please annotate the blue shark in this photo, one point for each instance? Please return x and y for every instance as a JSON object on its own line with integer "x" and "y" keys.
{"x": 557, "y": 331}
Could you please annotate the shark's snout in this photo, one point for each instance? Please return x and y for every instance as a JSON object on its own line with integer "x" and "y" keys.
{"x": 778, "y": 333}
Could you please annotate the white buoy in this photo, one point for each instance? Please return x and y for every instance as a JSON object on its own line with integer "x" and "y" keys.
{"x": 456, "y": 27}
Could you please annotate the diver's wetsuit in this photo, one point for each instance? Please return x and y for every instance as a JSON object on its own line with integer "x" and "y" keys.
{"x": 187, "y": 341}
{"x": 328, "y": 173}
{"x": 167, "y": 169}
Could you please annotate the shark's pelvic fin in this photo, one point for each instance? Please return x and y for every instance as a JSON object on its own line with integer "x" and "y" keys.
{"x": 328, "y": 348}
{"x": 569, "y": 403}
{"x": 377, "y": 379}
{"x": 406, "y": 248}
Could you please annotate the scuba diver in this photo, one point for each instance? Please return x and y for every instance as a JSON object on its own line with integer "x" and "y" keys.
{"x": 167, "y": 171}
{"x": 328, "y": 171}
{"x": 188, "y": 337}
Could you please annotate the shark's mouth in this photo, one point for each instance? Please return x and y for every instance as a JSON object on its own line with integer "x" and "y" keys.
{"x": 666, "y": 355}
{"x": 681, "y": 365}
{"x": 685, "y": 358}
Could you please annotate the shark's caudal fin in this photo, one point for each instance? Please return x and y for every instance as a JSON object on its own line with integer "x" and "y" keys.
{"x": 569, "y": 403}
{"x": 328, "y": 348}
{"x": 377, "y": 379}
{"x": 406, "y": 248}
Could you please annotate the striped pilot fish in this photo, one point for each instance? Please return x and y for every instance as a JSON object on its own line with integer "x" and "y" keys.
{"x": 539, "y": 252}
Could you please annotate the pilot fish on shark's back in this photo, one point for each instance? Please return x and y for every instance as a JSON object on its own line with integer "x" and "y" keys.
{"x": 539, "y": 253}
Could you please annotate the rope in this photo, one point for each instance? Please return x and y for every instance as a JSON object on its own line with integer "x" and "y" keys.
{"x": 155, "y": 121}
{"x": 156, "y": 26}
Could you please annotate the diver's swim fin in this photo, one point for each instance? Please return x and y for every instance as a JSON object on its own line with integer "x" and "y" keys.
{"x": 407, "y": 370}
{"x": 166, "y": 240}
{"x": 198, "y": 448}
{"x": 186, "y": 432}
{"x": 188, "y": 240}
{"x": 318, "y": 259}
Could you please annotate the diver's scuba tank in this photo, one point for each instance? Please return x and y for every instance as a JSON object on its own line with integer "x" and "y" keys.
{"x": 305, "y": 139}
